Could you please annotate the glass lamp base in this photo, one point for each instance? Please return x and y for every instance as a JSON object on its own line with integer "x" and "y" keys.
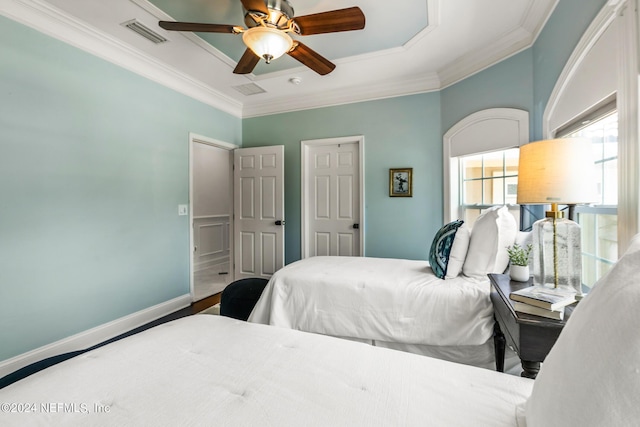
{"x": 557, "y": 254}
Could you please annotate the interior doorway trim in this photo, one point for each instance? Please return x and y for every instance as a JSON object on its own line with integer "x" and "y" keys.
{"x": 304, "y": 202}
{"x": 200, "y": 139}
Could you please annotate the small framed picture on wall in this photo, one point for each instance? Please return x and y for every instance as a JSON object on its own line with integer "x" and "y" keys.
{"x": 401, "y": 182}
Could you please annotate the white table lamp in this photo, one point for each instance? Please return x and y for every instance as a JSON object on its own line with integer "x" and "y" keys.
{"x": 557, "y": 171}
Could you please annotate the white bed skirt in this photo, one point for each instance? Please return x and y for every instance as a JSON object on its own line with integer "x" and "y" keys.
{"x": 481, "y": 356}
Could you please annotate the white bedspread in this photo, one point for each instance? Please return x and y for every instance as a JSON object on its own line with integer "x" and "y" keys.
{"x": 215, "y": 371}
{"x": 392, "y": 300}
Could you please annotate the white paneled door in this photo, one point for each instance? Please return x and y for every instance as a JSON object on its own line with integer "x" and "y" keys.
{"x": 332, "y": 197}
{"x": 259, "y": 211}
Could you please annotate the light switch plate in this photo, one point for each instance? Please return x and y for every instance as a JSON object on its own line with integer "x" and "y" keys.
{"x": 183, "y": 210}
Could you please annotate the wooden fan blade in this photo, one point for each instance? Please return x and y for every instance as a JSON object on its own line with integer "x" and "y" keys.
{"x": 333, "y": 21}
{"x": 311, "y": 59}
{"x": 255, "y": 5}
{"x": 197, "y": 28}
{"x": 247, "y": 63}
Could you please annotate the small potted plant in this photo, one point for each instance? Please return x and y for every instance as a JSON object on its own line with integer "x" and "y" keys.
{"x": 519, "y": 262}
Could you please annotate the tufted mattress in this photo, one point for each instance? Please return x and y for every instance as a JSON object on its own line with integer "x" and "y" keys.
{"x": 379, "y": 299}
{"x": 212, "y": 370}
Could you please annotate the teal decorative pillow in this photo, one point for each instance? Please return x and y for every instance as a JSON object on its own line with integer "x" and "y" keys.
{"x": 441, "y": 248}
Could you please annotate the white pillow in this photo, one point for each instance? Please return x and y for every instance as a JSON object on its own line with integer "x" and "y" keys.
{"x": 492, "y": 232}
{"x": 591, "y": 377}
{"x": 524, "y": 238}
{"x": 458, "y": 252}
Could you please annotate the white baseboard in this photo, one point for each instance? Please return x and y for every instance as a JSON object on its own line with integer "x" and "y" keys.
{"x": 95, "y": 335}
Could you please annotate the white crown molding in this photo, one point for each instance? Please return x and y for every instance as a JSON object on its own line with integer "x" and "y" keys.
{"x": 537, "y": 16}
{"x": 433, "y": 9}
{"x": 510, "y": 44}
{"x": 479, "y": 60}
{"x": 421, "y": 84}
{"x": 95, "y": 335}
{"x": 390, "y": 89}
{"x": 45, "y": 18}
{"x": 433, "y": 22}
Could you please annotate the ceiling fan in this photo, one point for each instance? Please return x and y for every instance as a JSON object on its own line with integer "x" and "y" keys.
{"x": 269, "y": 24}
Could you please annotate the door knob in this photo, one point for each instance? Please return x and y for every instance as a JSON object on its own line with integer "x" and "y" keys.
{"x": 280, "y": 222}
{"x": 356, "y": 226}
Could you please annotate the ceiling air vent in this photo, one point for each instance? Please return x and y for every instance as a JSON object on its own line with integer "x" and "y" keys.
{"x": 249, "y": 89}
{"x": 144, "y": 31}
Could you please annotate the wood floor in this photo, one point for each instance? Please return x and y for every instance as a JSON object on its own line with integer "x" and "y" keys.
{"x": 205, "y": 303}
{"x": 211, "y": 280}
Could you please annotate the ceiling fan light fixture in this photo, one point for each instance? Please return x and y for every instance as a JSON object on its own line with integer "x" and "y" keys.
{"x": 266, "y": 42}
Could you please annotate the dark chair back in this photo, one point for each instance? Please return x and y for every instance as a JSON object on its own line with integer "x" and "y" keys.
{"x": 239, "y": 298}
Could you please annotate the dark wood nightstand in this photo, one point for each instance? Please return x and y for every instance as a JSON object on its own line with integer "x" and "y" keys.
{"x": 531, "y": 336}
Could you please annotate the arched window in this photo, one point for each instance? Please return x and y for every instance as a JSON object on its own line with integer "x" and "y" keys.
{"x": 596, "y": 96}
{"x": 481, "y": 161}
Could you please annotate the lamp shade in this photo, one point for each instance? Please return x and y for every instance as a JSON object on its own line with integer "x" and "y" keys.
{"x": 266, "y": 42}
{"x": 556, "y": 171}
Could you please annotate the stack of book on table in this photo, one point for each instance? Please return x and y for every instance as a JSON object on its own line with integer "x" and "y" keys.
{"x": 542, "y": 301}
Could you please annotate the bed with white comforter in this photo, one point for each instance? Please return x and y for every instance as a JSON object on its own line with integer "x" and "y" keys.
{"x": 398, "y": 303}
{"x": 208, "y": 370}
{"x": 216, "y": 371}
{"x": 378, "y": 299}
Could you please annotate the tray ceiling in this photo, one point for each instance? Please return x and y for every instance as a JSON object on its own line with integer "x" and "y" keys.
{"x": 407, "y": 46}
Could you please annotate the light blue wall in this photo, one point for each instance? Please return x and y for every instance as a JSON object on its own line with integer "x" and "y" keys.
{"x": 553, "y": 48}
{"x": 94, "y": 161}
{"x": 508, "y": 84}
{"x": 527, "y": 79}
{"x": 404, "y": 131}
{"x": 522, "y": 81}
{"x": 93, "y": 165}
{"x": 399, "y": 132}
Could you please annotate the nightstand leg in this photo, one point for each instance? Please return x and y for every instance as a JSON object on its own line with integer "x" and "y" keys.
{"x": 499, "y": 345}
{"x": 530, "y": 369}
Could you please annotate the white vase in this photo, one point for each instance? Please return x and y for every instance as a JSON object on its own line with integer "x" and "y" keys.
{"x": 519, "y": 273}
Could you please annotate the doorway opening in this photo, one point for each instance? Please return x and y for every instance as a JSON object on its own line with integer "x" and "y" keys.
{"x": 211, "y": 215}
